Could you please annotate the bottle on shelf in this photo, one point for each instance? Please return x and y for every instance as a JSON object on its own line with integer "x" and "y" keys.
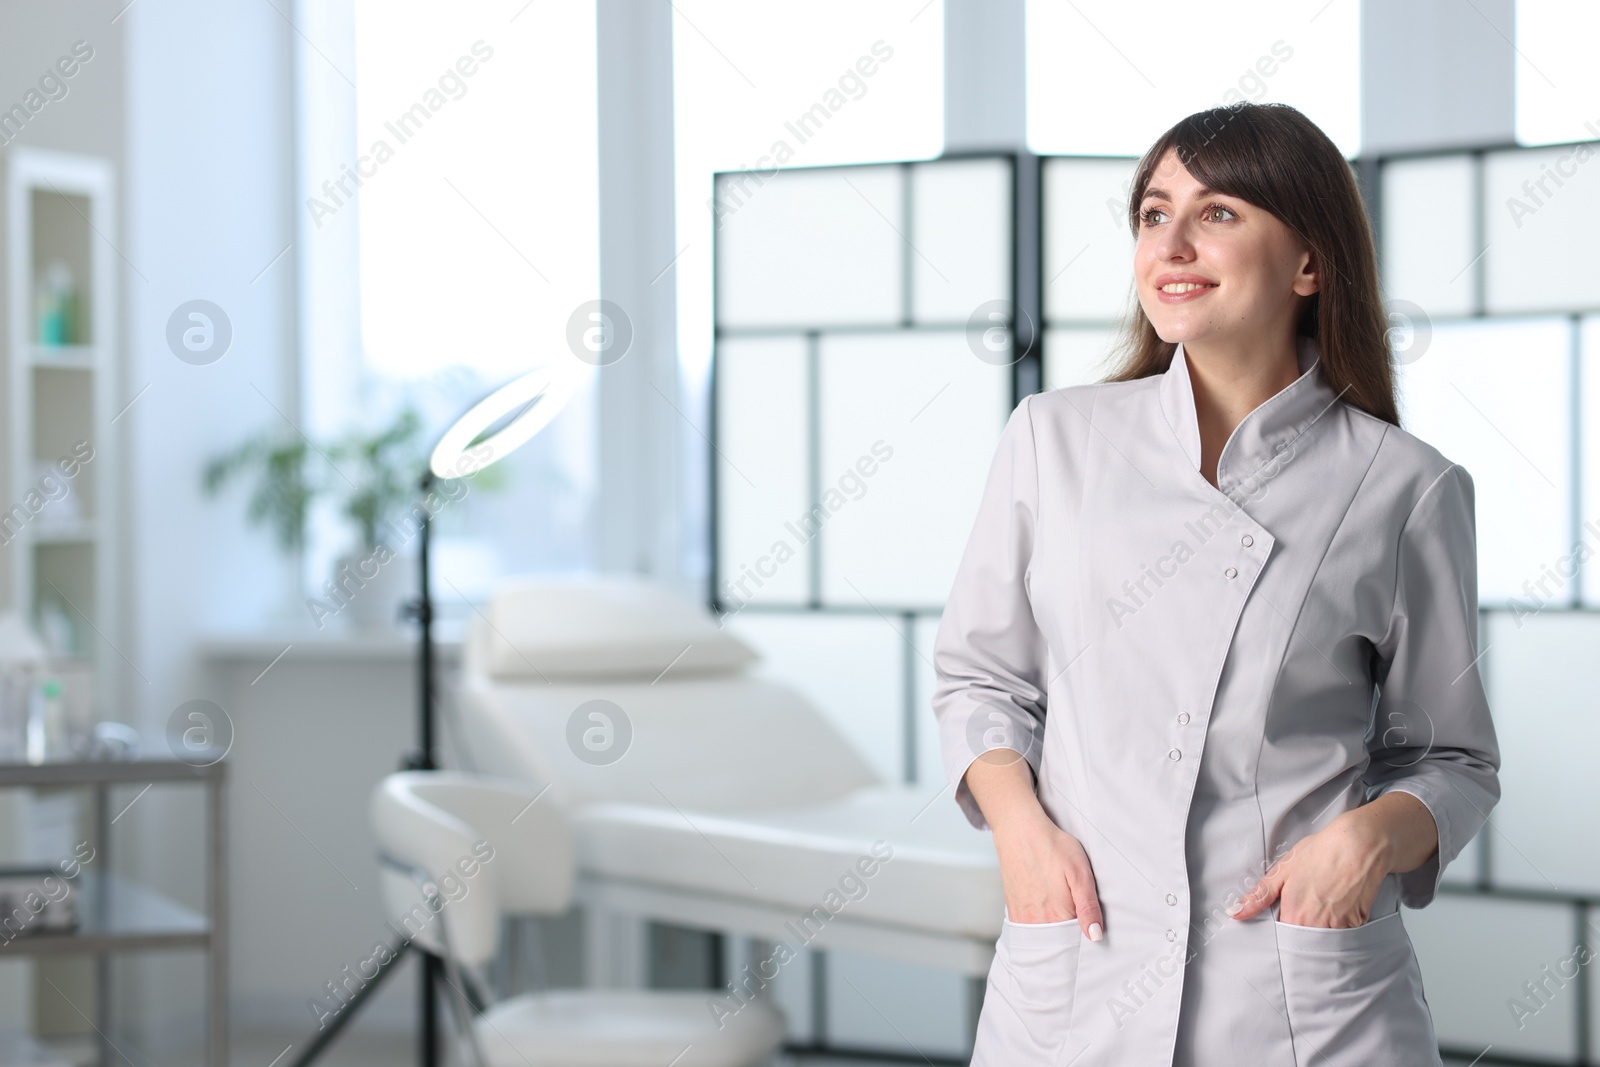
{"x": 22, "y": 657}
{"x": 47, "y": 724}
{"x": 57, "y": 305}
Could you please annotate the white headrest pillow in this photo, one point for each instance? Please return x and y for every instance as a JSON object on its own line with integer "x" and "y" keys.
{"x": 611, "y": 626}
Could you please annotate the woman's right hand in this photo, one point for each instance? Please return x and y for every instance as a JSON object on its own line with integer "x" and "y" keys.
{"x": 1044, "y": 871}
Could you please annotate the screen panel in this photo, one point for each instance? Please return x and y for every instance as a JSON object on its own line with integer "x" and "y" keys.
{"x": 960, "y": 237}
{"x": 1464, "y": 871}
{"x": 909, "y": 425}
{"x": 879, "y": 996}
{"x": 1494, "y": 396}
{"x": 1540, "y": 227}
{"x": 1077, "y": 355}
{"x": 929, "y": 756}
{"x": 1589, "y": 462}
{"x": 1430, "y": 207}
{"x": 848, "y": 666}
{"x": 1088, "y": 248}
{"x": 1542, "y": 682}
{"x": 1475, "y": 955}
{"x": 810, "y": 248}
{"x": 763, "y": 470}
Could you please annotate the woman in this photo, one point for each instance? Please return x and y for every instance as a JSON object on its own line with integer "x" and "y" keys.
{"x": 1208, "y": 668}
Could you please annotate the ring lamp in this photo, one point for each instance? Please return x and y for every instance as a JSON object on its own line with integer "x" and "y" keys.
{"x": 540, "y": 394}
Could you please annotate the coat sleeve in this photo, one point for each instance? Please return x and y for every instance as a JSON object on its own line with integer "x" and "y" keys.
{"x": 1432, "y": 735}
{"x": 989, "y": 656}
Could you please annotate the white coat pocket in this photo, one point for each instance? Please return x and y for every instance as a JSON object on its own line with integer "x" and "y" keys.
{"x": 1027, "y": 1005}
{"x": 1354, "y": 995}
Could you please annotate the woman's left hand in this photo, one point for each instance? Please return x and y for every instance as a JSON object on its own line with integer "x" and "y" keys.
{"x": 1329, "y": 878}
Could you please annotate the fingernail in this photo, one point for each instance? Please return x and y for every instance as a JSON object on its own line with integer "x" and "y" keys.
{"x": 1235, "y": 907}
{"x": 1094, "y": 932}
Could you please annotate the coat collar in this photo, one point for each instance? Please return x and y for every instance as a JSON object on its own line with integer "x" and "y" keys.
{"x": 1264, "y": 432}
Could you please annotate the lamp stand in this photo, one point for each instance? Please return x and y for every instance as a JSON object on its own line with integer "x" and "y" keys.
{"x": 532, "y": 400}
{"x": 421, "y": 610}
{"x": 420, "y": 758}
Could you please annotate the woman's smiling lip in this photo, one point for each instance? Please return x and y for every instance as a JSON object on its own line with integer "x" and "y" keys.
{"x": 1178, "y": 298}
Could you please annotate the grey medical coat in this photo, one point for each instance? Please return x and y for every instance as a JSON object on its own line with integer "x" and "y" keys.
{"x": 1200, "y": 676}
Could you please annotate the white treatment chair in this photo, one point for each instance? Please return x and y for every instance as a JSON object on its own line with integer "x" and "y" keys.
{"x": 713, "y": 797}
{"x": 458, "y": 851}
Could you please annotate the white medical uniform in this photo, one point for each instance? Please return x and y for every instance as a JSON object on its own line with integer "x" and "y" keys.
{"x": 1200, "y": 676}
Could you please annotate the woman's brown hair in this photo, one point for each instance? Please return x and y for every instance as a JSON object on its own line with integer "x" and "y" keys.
{"x": 1272, "y": 156}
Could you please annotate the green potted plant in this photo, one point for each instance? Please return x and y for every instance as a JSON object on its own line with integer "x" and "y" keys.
{"x": 374, "y": 479}
{"x": 377, "y": 477}
{"x": 285, "y": 485}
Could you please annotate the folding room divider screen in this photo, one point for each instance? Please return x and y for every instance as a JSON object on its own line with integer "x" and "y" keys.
{"x": 876, "y": 324}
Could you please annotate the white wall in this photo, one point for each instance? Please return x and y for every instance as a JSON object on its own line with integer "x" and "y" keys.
{"x": 208, "y": 205}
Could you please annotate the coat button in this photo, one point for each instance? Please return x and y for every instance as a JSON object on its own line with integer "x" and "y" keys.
{"x": 1247, "y": 540}
{"x": 1174, "y": 754}
{"x": 1172, "y": 935}
{"x": 1183, "y": 717}
{"x": 1172, "y": 898}
{"x": 1231, "y": 572}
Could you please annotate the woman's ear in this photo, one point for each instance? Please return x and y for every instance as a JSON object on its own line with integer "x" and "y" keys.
{"x": 1309, "y": 279}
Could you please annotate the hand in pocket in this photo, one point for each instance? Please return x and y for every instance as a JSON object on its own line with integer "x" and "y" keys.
{"x": 1046, "y": 875}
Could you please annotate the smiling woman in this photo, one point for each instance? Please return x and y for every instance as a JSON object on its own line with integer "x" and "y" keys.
{"x": 1209, "y": 800}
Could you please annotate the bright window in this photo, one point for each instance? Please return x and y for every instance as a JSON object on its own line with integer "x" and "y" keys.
{"x": 1558, "y": 82}
{"x": 1107, "y": 77}
{"x": 761, "y": 85}
{"x": 478, "y": 222}
{"x": 450, "y": 230}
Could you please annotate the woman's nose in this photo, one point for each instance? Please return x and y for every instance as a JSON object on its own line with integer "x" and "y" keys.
{"x": 1175, "y": 241}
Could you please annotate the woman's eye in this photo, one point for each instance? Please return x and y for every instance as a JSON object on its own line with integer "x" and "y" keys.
{"x": 1147, "y": 216}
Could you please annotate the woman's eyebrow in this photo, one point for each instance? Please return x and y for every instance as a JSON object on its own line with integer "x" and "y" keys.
{"x": 1162, "y": 194}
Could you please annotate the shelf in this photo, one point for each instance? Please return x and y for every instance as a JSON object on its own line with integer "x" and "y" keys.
{"x": 114, "y": 915}
{"x": 89, "y": 772}
{"x": 63, "y": 357}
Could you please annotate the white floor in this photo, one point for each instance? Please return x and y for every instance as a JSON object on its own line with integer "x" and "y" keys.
{"x": 373, "y": 1050}
{"x": 357, "y": 1049}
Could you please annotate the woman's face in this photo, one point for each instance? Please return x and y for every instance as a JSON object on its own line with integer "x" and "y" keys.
{"x": 1252, "y": 270}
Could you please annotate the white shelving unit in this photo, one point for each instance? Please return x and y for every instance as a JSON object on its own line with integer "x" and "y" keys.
{"x": 60, "y": 209}
{"x": 57, "y": 536}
